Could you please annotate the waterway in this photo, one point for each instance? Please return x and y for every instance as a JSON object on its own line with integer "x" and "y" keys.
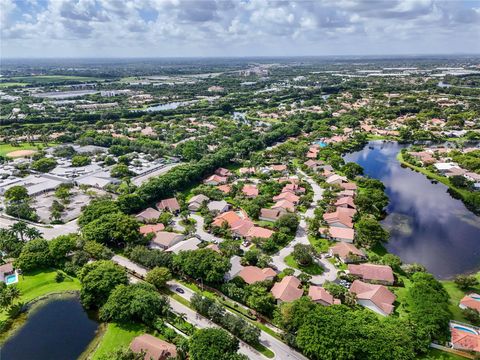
{"x": 57, "y": 328}
{"x": 427, "y": 225}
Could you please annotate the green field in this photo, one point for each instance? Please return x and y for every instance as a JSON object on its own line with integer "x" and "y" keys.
{"x": 116, "y": 336}
{"x": 45, "y": 79}
{"x": 6, "y": 148}
{"x": 435, "y": 354}
{"x": 456, "y": 295}
{"x": 40, "y": 283}
{"x": 4, "y": 85}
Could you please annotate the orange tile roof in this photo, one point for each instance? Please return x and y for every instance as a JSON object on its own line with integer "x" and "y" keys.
{"x": 318, "y": 293}
{"x": 465, "y": 340}
{"x": 343, "y": 249}
{"x": 377, "y": 294}
{"x": 153, "y": 347}
{"x": 224, "y": 188}
{"x": 287, "y": 289}
{"x": 147, "y": 229}
{"x": 230, "y": 217}
{"x": 287, "y": 196}
{"x": 471, "y": 301}
{"x": 259, "y": 232}
{"x": 250, "y": 190}
{"x": 372, "y": 272}
{"x": 252, "y": 274}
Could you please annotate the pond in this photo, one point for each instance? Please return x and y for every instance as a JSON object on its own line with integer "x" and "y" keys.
{"x": 169, "y": 106}
{"x": 427, "y": 225}
{"x": 55, "y": 329}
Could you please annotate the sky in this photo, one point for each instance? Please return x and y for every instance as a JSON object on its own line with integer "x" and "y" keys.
{"x": 229, "y": 28}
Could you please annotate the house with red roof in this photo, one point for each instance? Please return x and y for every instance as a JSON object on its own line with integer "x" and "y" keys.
{"x": 147, "y": 229}
{"x": 153, "y": 348}
{"x": 170, "y": 205}
{"x": 270, "y": 214}
{"x": 346, "y": 252}
{"x": 287, "y": 290}
{"x": 224, "y": 188}
{"x": 345, "y": 202}
{"x": 374, "y": 297}
{"x": 250, "y": 191}
{"x": 215, "y": 180}
{"x": 470, "y": 301}
{"x": 293, "y": 188}
{"x": 279, "y": 168}
{"x": 339, "y": 218}
{"x": 284, "y": 205}
{"x": 464, "y": 337}
{"x": 336, "y": 233}
{"x": 258, "y": 232}
{"x": 348, "y": 186}
{"x": 253, "y": 274}
{"x": 321, "y": 296}
{"x": 373, "y": 273}
{"x": 289, "y": 196}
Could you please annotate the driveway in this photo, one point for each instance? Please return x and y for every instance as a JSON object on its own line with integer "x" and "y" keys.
{"x": 202, "y": 234}
{"x": 301, "y": 237}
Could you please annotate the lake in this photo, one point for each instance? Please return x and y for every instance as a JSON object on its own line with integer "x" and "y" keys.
{"x": 56, "y": 329}
{"x": 427, "y": 225}
{"x": 169, "y": 106}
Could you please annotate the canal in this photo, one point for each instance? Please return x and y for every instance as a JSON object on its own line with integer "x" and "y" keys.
{"x": 427, "y": 225}
{"x": 57, "y": 328}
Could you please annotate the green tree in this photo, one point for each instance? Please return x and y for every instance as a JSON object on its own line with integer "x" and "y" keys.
{"x": 133, "y": 303}
{"x": 206, "y": 264}
{"x": 97, "y": 208}
{"x": 44, "y": 165}
{"x": 98, "y": 279}
{"x": 115, "y": 229}
{"x": 16, "y": 193}
{"x": 61, "y": 246}
{"x": 35, "y": 254}
{"x": 303, "y": 254}
{"x": 288, "y": 221}
{"x": 352, "y": 170}
{"x": 81, "y": 160}
{"x": 211, "y": 343}
{"x": 8, "y": 294}
{"x": 465, "y": 282}
{"x": 120, "y": 171}
{"x": 97, "y": 250}
{"x": 369, "y": 232}
{"x": 158, "y": 277}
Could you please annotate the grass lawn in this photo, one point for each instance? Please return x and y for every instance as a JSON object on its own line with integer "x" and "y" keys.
{"x": 456, "y": 295}
{"x": 440, "y": 355}
{"x": 115, "y": 336}
{"x": 8, "y": 84}
{"x": 321, "y": 245}
{"x": 313, "y": 269}
{"x": 6, "y": 148}
{"x": 42, "y": 283}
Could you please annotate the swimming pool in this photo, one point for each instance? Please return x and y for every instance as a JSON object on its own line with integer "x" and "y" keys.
{"x": 11, "y": 279}
{"x": 321, "y": 143}
{"x": 461, "y": 328}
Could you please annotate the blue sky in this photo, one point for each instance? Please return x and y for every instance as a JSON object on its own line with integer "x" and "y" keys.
{"x": 158, "y": 28}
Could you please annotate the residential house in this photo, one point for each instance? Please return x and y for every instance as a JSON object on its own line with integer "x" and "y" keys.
{"x": 246, "y": 170}
{"x": 250, "y": 191}
{"x": 165, "y": 239}
{"x": 339, "y": 218}
{"x": 335, "y": 179}
{"x": 345, "y": 202}
{"x": 154, "y": 348}
{"x": 279, "y": 168}
{"x": 313, "y": 164}
{"x": 346, "y": 252}
{"x": 218, "y": 207}
{"x": 374, "y": 297}
{"x": 230, "y": 217}
{"x": 253, "y": 274}
{"x": 153, "y": 228}
{"x": 185, "y": 245}
{"x": 336, "y": 233}
{"x": 235, "y": 268}
{"x": 287, "y": 290}
{"x": 215, "y": 180}
{"x": 271, "y": 214}
{"x": 147, "y": 215}
{"x": 223, "y": 172}
{"x": 196, "y": 202}
{"x": 258, "y": 232}
{"x": 464, "y": 337}
{"x": 285, "y": 206}
{"x": 224, "y": 188}
{"x": 373, "y": 273}
{"x": 288, "y": 196}
{"x": 293, "y": 188}
{"x": 5, "y": 270}
{"x": 321, "y": 296}
{"x": 170, "y": 205}
{"x": 470, "y": 301}
{"x": 348, "y": 186}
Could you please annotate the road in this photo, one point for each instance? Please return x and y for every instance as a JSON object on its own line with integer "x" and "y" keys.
{"x": 301, "y": 237}
{"x": 282, "y": 351}
{"x": 49, "y": 232}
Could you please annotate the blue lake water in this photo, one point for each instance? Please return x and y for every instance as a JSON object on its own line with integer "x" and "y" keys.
{"x": 58, "y": 329}
{"x": 427, "y": 225}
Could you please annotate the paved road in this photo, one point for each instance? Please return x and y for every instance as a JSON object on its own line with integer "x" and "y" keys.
{"x": 301, "y": 237}
{"x": 205, "y": 236}
{"x": 49, "y": 232}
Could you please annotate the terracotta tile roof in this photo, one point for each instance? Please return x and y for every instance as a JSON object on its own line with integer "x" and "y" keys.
{"x": 230, "y": 217}
{"x": 287, "y": 196}
{"x": 349, "y": 186}
{"x": 224, "y": 188}
{"x": 377, "y": 294}
{"x": 318, "y": 293}
{"x": 343, "y": 249}
{"x": 372, "y": 272}
{"x": 242, "y": 227}
{"x": 147, "y": 229}
{"x": 250, "y": 190}
{"x": 336, "y": 232}
{"x": 471, "y": 301}
{"x": 259, "y": 232}
{"x": 155, "y": 349}
{"x": 169, "y": 204}
{"x": 295, "y": 188}
{"x": 252, "y": 274}
{"x": 339, "y": 216}
{"x": 215, "y": 179}
{"x": 272, "y": 214}
{"x": 284, "y": 204}
{"x": 465, "y": 340}
{"x": 346, "y": 200}
{"x": 279, "y": 167}
{"x": 287, "y": 289}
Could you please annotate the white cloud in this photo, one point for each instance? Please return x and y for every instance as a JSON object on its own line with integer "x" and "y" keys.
{"x": 221, "y": 27}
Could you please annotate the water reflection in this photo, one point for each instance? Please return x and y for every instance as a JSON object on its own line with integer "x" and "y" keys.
{"x": 427, "y": 225}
